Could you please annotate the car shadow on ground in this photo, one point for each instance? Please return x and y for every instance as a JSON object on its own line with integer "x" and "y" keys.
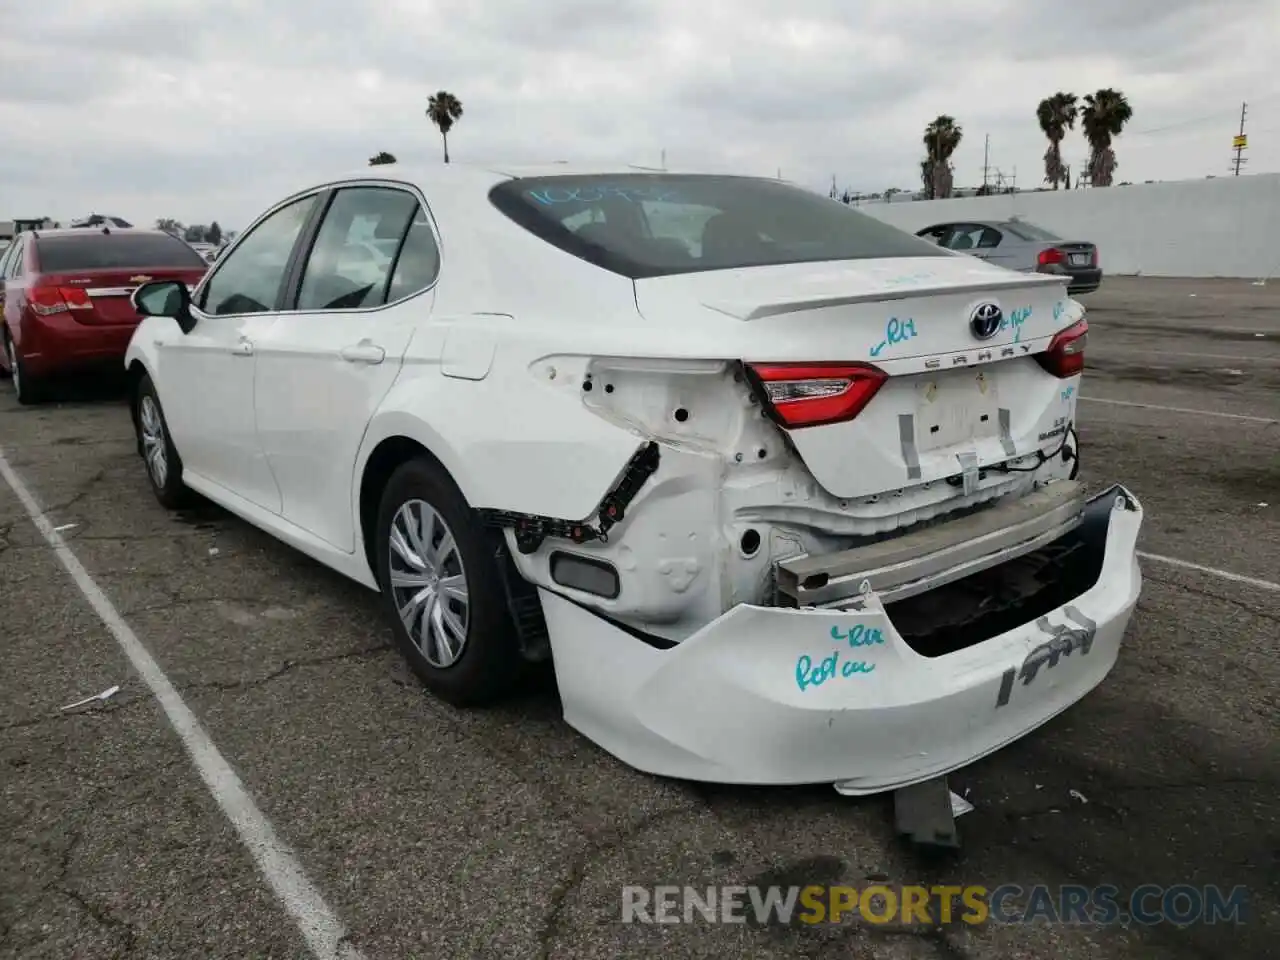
{"x": 97, "y": 387}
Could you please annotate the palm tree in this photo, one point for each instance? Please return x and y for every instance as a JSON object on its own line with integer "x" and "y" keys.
{"x": 381, "y": 157}
{"x": 444, "y": 110}
{"x": 1057, "y": 115}
{"x": 1102, "y": 116}
{"x": 941, "y": 138}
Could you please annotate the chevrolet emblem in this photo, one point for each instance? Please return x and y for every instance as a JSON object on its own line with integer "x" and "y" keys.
{"x": 141, "y": 278}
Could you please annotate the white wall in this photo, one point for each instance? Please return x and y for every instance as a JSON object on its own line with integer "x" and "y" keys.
{"x": 1226, "y": 227}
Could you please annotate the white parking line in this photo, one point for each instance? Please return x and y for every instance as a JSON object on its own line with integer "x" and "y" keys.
{"x": 1212, "y": 571}
{"x": 319, "y": 925}
{"x": 1202, "y": 413}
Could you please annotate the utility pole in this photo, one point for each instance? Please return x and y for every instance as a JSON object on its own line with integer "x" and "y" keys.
{"x": 986, "y": 157}
{"x": 1241, "y": 141}
{"x": 664, "y": 158}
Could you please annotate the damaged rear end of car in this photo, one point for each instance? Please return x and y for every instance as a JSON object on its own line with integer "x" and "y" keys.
{"x": 850, "y": 544}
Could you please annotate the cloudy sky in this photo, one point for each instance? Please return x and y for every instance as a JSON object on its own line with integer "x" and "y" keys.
{"x": 213, "y": 109}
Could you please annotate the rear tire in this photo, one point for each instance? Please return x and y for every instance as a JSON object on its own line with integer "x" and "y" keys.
{"x": 442, "y": 589}
{"x": 164, "y": 466}
{"x": 29, "y": 391}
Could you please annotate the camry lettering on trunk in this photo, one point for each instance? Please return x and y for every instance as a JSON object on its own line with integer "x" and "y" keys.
{"x": 982, "y": 356}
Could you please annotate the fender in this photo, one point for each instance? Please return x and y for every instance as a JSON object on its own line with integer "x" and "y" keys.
{"x": 142, "y": 350}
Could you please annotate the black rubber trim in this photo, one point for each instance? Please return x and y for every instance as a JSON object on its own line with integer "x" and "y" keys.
{"x": 291, "y": 283}
{"x": 658, "y": 643}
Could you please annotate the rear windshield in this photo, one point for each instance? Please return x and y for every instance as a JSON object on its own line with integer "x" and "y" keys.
{"x": 108, "y": 251}
{"x": 1026, "y": 231}
{"x": 652, "y": 225}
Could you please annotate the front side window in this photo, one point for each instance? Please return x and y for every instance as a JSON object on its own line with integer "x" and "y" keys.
{"x": 651, "y": 225}
{"x": 248, "y": 279}
{"x": 351, "y": 262}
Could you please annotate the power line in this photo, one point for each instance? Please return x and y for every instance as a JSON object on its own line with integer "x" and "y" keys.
{"x": 1177, "y": 126}
{"x": 1208, "y": 118}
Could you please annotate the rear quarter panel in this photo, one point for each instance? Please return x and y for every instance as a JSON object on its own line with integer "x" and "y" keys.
{"x": 516, "y": 438}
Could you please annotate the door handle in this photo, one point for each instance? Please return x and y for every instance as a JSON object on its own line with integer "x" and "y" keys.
{"x": 363, "y": 352}
{"x": 243, "y": 349}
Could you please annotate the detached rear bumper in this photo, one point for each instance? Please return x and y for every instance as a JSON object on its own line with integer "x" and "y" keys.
{"x": 767, "y": 695}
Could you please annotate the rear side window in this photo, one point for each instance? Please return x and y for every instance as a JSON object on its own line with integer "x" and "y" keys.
{"x": 652, "y": 225}
{"x": 114, "y": 251}
{"x": 419, "y": 260}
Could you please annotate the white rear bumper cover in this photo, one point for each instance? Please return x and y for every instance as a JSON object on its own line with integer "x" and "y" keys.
{"x": 728, "y": 704}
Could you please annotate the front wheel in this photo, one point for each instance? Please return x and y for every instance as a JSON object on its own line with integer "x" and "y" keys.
{"x": 443, "y": 592}
{"x": 164, "y": 466}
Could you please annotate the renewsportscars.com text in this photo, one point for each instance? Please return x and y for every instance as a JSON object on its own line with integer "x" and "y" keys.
{"x": 1147, "y": 905}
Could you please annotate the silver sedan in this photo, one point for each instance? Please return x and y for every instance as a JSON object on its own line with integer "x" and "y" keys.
{"x": 1022, "y": 246}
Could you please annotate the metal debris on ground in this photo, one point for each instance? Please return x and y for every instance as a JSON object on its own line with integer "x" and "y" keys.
{"x": 105, "y": 695}
{"x": 65, "y": 526}
{"x": 959, "y": 805}
{"x": 213, "y": 551}
{"x": 924, "y": 813}
{"x": 1077, "y": 795}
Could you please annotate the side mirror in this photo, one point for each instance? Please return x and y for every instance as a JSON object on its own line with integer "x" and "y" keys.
{"x": 165, "y": 298}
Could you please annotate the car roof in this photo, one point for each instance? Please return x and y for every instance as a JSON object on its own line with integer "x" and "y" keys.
{"x": 428, "y": 175}
{"x": 97, "y": 231}
{"x": 997, "y": 222}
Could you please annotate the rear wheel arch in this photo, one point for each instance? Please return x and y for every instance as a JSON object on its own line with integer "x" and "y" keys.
{"x": 388, "y": 456}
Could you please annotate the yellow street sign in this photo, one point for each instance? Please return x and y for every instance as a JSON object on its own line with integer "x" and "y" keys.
{"x": 1240, "y": 141}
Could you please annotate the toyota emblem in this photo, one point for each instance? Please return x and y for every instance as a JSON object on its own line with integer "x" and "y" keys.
{"x": 986, "y": 320}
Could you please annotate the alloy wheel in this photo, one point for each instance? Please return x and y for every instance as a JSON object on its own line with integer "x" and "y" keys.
{"x": 12, "y": 352}
{"x": 153, "y": 441}
{"x": 429, "y": 583}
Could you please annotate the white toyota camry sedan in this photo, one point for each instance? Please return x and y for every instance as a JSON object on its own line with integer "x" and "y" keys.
{"x": 785, "y": 494}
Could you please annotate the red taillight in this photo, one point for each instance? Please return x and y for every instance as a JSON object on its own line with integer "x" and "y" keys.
{"x": 1065, "y": 356}
{"x": 50, "y": 300}
{"x": 1095, "y": 256}
{"x": 1050, "y": 257}
{"x": 810, "y": 394}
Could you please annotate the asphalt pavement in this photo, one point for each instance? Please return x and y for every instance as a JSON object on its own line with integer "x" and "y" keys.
{"x": 434, "y": 832}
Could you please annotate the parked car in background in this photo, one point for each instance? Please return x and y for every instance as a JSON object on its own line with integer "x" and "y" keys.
{"x": 1018, "y": 245}
{"x": 207, "y": 250}
{"x": 98, "y": 220}
{"x": 786, "y": 494}
{"x": 66, "y": 298}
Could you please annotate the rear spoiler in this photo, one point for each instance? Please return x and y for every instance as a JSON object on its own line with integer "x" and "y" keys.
{"x": 755, "y": 311}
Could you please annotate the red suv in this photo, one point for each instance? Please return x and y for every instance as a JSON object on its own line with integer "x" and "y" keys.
{"x": 66, "y": 298}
